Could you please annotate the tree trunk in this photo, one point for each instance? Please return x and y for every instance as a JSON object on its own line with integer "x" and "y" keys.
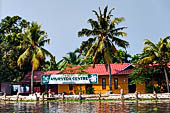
{"x": 167, "y": 81}
{"x": 110, "y": 80}
{"x": 32, "y": 81}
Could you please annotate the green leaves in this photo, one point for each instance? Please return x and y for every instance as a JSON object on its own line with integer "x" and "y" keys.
{"x": 73, "y": 58}
{"x": 156, "y": 57}
{"x": 107, "y": 35}
{"x": 34, "y": 39}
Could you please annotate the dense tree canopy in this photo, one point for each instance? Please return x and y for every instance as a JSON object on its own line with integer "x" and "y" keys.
{"x": 154, "y": 61}
{"x": 33, "y": 41}
{"x": 10, "y": 28}
{"x": 12, "y": 36}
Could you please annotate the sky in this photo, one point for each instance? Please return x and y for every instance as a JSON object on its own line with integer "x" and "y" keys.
{"x": 62, "y": 19}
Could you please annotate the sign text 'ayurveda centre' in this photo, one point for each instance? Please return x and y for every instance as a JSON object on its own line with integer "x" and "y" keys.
{"x": 70, "y": 79}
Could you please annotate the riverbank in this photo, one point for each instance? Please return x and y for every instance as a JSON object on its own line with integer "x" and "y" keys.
{"x": 92, "y": 97}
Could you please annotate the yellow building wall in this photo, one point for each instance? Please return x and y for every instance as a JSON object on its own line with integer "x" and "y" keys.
{"x": 141, "y": 88}
{"x": 98, "y": 87}
{"x": 64, "y": 88}
{"x": 122, "y": 84}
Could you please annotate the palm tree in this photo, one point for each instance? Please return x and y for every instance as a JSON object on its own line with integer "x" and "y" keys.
{"x": 158, "y": 53}
{"x": 73, "y": 58}
{"x": 105, "y": 37}
{"x": 33, "y": 42}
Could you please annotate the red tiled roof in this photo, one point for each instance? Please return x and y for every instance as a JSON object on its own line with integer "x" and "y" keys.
{"x": 124, "y": 72}
{"x": 100, "y": 69}
{"x": 37, "y": 75}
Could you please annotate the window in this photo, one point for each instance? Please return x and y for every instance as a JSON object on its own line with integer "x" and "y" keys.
{"x": 103, "y": 83}
{"x": 116, "y": 83}
{"x": 70, "y": 87}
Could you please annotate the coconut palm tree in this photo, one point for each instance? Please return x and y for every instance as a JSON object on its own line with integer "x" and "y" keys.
{"x": 158, "y": 53}
{"x": 105, "y": 37}
{"x": 33, "y": 42}
{"x": 73, "y": 58}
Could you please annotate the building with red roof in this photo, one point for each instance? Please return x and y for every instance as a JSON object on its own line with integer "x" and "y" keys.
{"x": 119, "y": 78}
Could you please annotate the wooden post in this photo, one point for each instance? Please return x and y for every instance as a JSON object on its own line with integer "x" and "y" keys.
{"x": 155, "y": 95}
{"x": 17, "y": 96}
{"x": 121, "y": 94}
{"x": 4, "y": 96}
{"x": 99, "y": 95}
{"x": 36, "y": 97}
{"x": 62, "y": 96}
{"x": 43, "y": 96}
{"x": 80, "y": 98}
{"x": 49, "y": 93}
{"x": 136, "y": 94}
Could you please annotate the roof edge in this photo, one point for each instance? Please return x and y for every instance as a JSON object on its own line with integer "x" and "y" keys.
{"x": 127, "y": 66}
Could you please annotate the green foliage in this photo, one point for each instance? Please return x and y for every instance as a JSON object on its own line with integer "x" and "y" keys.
{"x": 73, "y": 58}
{"x": 153, "y": 62}
{"x": 149, "y": 88}
{"x": 158, "y": 53}
{"x": 13, "y": 43}
{"x": 49, "y": 65}
{"x": 34, "y": 40}
{"x": 10, "y": 30}
{"x": 143, "y": 73}
{"x": 105, "y": 37}
{"x": 90, "y": 90}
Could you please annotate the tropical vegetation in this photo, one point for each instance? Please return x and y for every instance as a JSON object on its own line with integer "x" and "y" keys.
{"x": 154, "y": 62}
{"x": 34, "y": 40}
{"x": 105, "y": 36}
{"x": 22, "y": 51}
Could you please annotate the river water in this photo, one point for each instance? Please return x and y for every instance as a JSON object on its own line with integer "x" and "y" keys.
{"x": 86, "y": 107}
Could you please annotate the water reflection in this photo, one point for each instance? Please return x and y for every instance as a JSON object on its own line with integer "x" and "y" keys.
{"x": 85, "y": 107}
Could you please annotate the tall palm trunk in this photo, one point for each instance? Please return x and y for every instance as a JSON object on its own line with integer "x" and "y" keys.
{"x": 110, "y": 80}
{"x": 167, "y": 81}
{"x": 32, "y": 81}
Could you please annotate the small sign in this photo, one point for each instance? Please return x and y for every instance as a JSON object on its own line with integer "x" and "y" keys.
{"x": 70, "y": 79}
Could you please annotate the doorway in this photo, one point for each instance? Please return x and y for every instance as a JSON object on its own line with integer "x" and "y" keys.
{"x": 89, "y": 88}
{"x": 131, "y": 87}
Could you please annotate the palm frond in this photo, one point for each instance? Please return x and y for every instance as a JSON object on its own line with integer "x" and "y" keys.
{"x": 24, "y": 57}
{"x": 85, "y": 45}
{"x": 117, "y": 20}
{"x": 120, "y": 42}
{"x": 146, "y": 60}
{"x": 109, "y": 14}
{"x": 84, "y": 32}
{"x": 147, "y": 49}
{"x": 47, "y": 53}
{"x": 41, "y": 38}
{"x": 119, "y": 34}
{"x": 149, "y": 43}
{"x": 95, "y": 12}
{"x": 94, "y": 24}
{"x": 35, "y": 62}
{"x": 92, "y": 49}
{"x": 105, "y": 11}
{"x": 39, "y": 53}
{"x": 166, "y": 38}
{"x": 115, "y": 30}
